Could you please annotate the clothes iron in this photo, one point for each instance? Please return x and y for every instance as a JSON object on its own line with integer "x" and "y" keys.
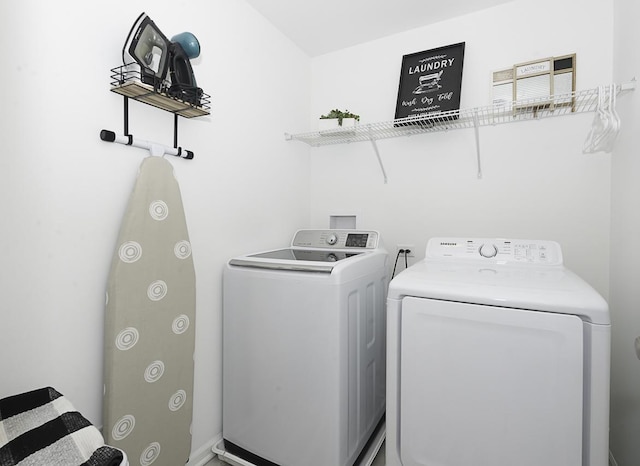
{"x": 146, "y": 51}
{"x": 162, "y": 63}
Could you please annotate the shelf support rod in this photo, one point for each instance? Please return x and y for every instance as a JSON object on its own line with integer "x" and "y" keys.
{"x": 476, "y": 128}
{"x": 154, "y": 148}
{"x": 126, "y": 115}
{"x": 175, "y": 130}
{"x": 375, "y": 149}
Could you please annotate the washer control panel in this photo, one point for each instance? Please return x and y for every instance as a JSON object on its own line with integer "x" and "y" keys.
{"x": 336, "y": 239}
{"x": 501, "y": 250}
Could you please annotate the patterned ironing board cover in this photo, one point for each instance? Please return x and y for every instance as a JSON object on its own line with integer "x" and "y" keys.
{"x": 150, "y": 325}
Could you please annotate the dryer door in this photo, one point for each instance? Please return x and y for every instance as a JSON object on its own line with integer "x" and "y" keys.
{"x": 489, "y": 386}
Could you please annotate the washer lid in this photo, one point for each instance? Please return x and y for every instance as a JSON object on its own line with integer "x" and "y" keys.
{"x": 305, "y": 255}
{"x": 316, "y": 251}
{"x": 523, "y": 284}
{"x": 304, "y": 260}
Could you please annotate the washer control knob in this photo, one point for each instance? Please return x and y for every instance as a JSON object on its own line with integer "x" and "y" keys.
{"x": 488, "y": 250}
{"x": 332, "y": 239}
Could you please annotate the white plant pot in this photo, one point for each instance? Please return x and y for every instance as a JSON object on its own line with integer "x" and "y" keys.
{"x": 331, "y": 126}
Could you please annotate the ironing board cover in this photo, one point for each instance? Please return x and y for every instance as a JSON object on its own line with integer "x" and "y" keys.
{"x": 150, "y": 325}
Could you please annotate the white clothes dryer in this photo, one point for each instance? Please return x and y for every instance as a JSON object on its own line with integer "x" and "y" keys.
{"x": 304, "y": 350}
{"x": 497, "y": 355}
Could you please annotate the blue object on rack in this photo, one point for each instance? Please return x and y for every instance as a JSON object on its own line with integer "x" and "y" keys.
{"x": 189, "y": 43}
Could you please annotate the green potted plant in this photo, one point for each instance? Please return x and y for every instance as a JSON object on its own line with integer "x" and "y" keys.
{"x": 337, "y": 119}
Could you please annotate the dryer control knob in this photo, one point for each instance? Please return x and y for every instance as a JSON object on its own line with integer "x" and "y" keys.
{"x": 332, "y": 239}
{"x": 488, "y": 250}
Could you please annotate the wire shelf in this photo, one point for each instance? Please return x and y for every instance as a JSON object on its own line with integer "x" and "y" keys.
{"x": 127, "y": 81}
{"x": 522, "y": 110}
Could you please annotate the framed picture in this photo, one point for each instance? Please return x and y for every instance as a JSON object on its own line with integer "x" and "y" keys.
{"x": 539, "y": 84}
{"x": 430, "y": 81}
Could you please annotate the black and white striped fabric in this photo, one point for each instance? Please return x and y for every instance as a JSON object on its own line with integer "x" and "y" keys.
{"x": 42, "y": 428}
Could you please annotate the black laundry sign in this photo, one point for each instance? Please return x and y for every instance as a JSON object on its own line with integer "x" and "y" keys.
{"x": 430, "y": 81}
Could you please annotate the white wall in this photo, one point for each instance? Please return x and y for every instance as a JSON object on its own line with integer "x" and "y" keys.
{"x": 64, "y": 191}
{"x": 536, "y": 184}
{"x": 625, "y": 231}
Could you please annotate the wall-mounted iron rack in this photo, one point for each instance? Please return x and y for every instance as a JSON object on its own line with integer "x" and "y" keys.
{"x": 523, "y": 110}
{"x": 128, "y": 83}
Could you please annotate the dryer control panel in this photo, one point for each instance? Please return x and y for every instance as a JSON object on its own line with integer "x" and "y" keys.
{"x": 499, "y": 250}
{"x": 336, "y": 239}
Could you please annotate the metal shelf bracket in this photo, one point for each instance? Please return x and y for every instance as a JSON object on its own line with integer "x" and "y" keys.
{"x": 476, "y": 128}
{"x": 375, "y": 149}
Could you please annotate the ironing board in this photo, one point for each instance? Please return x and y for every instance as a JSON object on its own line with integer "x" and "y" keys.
{"x": 150, "y": 325}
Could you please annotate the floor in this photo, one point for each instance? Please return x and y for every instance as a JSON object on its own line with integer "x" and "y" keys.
{"x": 379, "y": 461}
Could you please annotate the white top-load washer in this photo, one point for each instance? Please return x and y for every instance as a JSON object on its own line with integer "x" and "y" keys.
{"x": 304, "y": 350}
{"x": 497, "y": 355}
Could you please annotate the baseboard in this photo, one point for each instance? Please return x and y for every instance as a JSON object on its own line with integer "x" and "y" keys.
{"x": 367, "y": 457}
{"x": 204, "y": 454}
